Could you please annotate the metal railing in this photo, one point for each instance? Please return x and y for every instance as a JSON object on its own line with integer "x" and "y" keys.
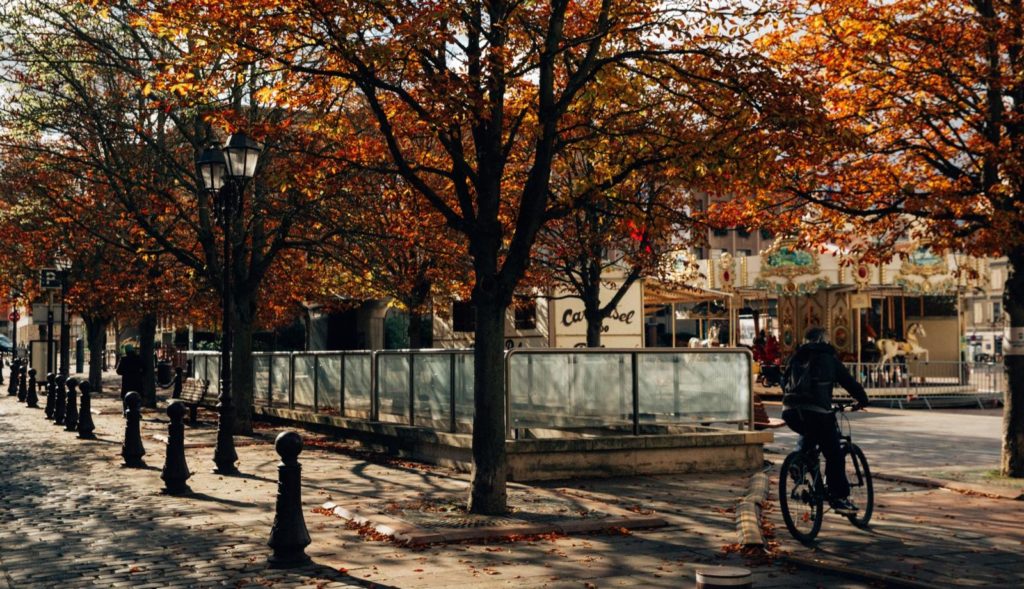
{"x": 921, "y": 379}
{"x": 587, "y": 391}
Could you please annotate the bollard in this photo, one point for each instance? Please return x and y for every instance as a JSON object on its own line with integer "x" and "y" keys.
{"x": 31, "y": 398}
{"x": 51, "y": 390}
{"x": 178, "y": 376}
{"x": 85, "y": 424}
{"x": 731, "y": 577}
{"x": 23, "y": 382}
{"x": 175, "y": 471}
{"x": 59, "y": 399}
{"x": 12, "y": 387}
{"x": 71, "y": 411}
{"x": 289, "y": 536}
{"x": 132, "y": 450}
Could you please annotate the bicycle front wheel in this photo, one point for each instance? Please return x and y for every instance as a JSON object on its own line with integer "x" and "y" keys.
{"x": 862, "y": 490}
{"x": 800, "y": 497}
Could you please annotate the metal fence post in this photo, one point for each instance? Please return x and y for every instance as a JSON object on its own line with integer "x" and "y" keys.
{"x": 412, "y": 389}
{"x": 341, "y": 391}
{"x": 316, "y": 383}
{"x": 636, "y": 393}
{"x": 374, "y": 386}
{"x": 451, "y": 393}
{"x": 291, "y": 380}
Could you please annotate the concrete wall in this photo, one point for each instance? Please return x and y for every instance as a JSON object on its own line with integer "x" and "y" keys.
{"x": 703, "y": 450}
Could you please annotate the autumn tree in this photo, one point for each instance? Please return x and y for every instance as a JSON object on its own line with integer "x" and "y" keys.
{"x": 923, "y": 138}
{"x": 92, "y": 80}
{"x": 475, "y": 102}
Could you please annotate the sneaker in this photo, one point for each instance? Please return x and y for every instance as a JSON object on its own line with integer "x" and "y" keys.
{"x": 843, "y": 506}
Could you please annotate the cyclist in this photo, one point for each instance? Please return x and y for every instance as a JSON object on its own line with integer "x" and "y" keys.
{"x": 811, "y": 374}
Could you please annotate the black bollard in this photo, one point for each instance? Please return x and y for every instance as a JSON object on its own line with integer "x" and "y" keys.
{"x": 31, "y": 398}
{"x": 51, "y": 393}
{"x": 85, "y": 424}
{"x": 289, "y": 536}
{"x": 175, "y": 471}
{"x": 178, "y": 377}
{"x": 132, "y": 450}
{"x": 12, "y": 387}
{"x": 59, "y": 399}
{"x": 23, "y": 382}
{"x": 71, "y": 411}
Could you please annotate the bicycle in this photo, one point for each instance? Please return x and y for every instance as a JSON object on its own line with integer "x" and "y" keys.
{"x": 802, "y": 489}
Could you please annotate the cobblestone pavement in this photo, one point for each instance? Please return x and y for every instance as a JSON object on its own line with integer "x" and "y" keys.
{"x": 71, "y": 516}
{"x": 921, "y": 535}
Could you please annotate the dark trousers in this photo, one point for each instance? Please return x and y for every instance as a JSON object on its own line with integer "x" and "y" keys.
{"x": 819, "y": 429}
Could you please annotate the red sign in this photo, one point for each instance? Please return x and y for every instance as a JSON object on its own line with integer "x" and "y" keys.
{"x": 14, "y": 316}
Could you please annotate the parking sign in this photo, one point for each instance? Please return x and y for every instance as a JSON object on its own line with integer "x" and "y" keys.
{"x": 49, "y": 278}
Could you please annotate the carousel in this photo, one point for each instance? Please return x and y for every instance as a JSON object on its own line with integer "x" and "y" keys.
{"x": 896, "y": 323}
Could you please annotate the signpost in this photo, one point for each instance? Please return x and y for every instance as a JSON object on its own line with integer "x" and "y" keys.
{"x": 49, "y": 278}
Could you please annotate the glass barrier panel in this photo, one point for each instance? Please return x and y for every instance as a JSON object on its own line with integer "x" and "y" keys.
{"x": 702, "y": 387}
{"x": 432, "y": 388}
{"x": 280, "y": 368}
{"x": 328, "y": 396}
{"x": 260, "y": 379}
{"x": 358, "y": 385}
{"x": 393, "y": 388}
{"x": 303, "y": 381}
{"x": 465, "y": 409}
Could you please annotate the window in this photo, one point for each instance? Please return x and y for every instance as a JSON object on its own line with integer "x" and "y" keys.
{"x": 525, "y": 313}
{"x": 997, "y": 311}
{"x": 720, "y": 232}
{"x": 463, "y": 316}
{"x": 743, "y": 231}
{"x": 765, "y": 234}
{"x": 744, "y": 253}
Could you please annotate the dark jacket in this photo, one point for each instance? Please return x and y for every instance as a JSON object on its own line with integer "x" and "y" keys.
{"x": 829, "y": 371}
{"x": 130, "y": 368}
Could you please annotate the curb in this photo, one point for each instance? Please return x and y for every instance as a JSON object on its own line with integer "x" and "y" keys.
{"x": 855, "y": 573}
{"x": 987, "y": 491}
{"x": 748, "y": 512}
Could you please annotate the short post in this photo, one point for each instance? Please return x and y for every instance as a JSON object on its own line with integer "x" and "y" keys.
{"x": 289, "y": 536}
{"x": 51, "y": 393}
{"x": 71, "y": 411}
{"x": 23, "y": 382}
{"x": 132, "y": 450}
{"x": 731, "y": 577}
{"x": 31, "y": 398}
{"x": 178, "y": 376}
{"x": 85, "y": 424}
{"x": 175, "y": 471}
{"x": 12, "y": 386}
{"x": 60, "y": 395}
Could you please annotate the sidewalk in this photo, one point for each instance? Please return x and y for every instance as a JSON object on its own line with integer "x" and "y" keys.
{"x": 71, "y": 516}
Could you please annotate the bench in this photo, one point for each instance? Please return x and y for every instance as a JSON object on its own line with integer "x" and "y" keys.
{"x": 195, "y": 392}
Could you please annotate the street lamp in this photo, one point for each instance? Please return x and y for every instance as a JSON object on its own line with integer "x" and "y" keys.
{"x": 224, "y": 173}
{"x": 63, "y": 264}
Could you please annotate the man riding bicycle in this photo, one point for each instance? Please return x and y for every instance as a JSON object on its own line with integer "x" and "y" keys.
{"x": 811, "y": 374}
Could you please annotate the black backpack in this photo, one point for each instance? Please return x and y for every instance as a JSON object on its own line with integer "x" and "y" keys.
{"x": 808, "y": 379}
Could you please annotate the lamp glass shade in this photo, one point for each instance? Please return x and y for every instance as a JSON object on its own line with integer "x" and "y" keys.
{"x": 61, "y": 261}
{"x": 241, "y": 154}
{"x": 212, "y": 168}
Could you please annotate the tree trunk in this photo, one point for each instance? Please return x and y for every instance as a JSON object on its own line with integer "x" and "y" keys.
{"x": 96, "y": 334}
{"x": 488, "y": 493}
{"x": 147, "y": 349}
{"x": 591, "y": 296}
{"x": 415, "y": 330}
{"x": 1012, "y": 460}
{"x": 241, "y": 361}
{"x": 595, "y": 324}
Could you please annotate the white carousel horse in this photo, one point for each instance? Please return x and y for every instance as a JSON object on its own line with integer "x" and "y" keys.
{"x": 711, "y": 342}
{"x": 890, "y": 348}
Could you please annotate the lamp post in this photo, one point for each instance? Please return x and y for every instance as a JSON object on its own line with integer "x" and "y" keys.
{"x": 63, "y": 264}
{"x": 224, "y": 173}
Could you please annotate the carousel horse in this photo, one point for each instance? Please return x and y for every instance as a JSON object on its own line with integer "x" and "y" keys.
{"x": 889, "y": 349}
{"x": 711, "y": 342}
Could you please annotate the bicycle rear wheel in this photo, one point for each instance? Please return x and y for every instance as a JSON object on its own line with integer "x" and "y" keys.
{"x": 862, "y": 490}
{"x": 800, "y": 497}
